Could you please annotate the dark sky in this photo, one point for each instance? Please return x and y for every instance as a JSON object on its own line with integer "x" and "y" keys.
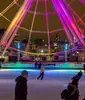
{"x": 40, "y": 20}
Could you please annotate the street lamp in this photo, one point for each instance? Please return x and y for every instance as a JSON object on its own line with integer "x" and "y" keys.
{"x": 66, "y": 53}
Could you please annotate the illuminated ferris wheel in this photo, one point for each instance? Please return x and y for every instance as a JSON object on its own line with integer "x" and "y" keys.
{"x": 72, "y": 24}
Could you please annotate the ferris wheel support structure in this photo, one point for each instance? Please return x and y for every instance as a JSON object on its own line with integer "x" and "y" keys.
{"x": 14, "y": 25}
{"x": 64, "y": 12}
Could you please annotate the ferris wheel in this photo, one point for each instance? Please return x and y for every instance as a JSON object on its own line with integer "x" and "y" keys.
{"x": 72, "y": 24}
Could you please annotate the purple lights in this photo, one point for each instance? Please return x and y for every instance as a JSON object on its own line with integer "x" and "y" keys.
{"x": 82, "y": 1}
{"x": 67, "y": 19}
{"x": 47, "y": 25}
{"x": 15, "y": 24}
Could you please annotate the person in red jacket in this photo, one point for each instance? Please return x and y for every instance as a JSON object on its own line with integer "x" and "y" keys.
{"x": 21, "y": 86}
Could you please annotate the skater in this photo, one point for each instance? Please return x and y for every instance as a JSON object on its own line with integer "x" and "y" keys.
{"x": 41, "y": 72}
{"x": 84, "y": 67}
{"x": 72, "y": 91}
{"x": 84, "y": 97}
{"x": 36, "y": 64}
{"x": 0, "y": 64}
{"x": 78, "y": 76}
{"x": 39, "y": 65}
{"x": 21, "y": 86}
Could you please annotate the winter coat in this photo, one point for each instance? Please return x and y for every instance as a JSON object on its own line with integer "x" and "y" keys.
{"x": 73, "y": 92}
{"x": 21, "y": 88}
{"x": 78, "y": 76}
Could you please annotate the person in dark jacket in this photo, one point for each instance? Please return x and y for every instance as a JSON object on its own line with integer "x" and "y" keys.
{"x": 21, "y": 86}
{"x": 36, "y": 64}
{"x": 73, "y": 91}
{"x": 78, "y": 76}
{"x": 84, "y": 67}
{"x": 84, "y": 97}
{"x": 39, "y": 65}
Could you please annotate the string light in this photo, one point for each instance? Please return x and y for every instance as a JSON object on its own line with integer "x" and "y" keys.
{"x": 31, "y": 53}
{"x": 40, "y": 13}
{"x": 46, "y": 14}
{"x": 8, "y": 8}
{"x": 33, "y": 31}
{"x": 27, "y": 47}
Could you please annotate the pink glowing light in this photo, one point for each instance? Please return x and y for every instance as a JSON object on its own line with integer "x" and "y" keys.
{"x": 15, "y": 21}
{"x": 74, "y": 13}
{"x": 47, "y": 24}
{"x": 70, "y": 26}
{"x": 82, "y": 1}
{"x": 69, "y": 18}
{"x": 63, "y": 23}
{"x": 15, "y": 24}
{"x": 27, "y": 47}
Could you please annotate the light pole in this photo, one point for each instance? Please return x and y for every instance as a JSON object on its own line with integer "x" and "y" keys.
{"x": 66, "y": 52}
{"x": 18, "y": 54}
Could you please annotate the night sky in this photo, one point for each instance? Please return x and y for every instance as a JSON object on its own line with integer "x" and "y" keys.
{"x": 40, "y": 20}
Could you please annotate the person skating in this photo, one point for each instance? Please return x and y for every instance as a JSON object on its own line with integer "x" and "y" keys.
{"x": 36, "y": 65}
{"x": 0, "y": 64}
{"x": 21, "y": 86}
{"x": 39, "y": 65}
{"x": 72, "y": 91}
{"x": 78, "y": 76}
{"x": 84, "y": 67}
{"x": 84, "y": 97}
{"x": 41, "y": 72}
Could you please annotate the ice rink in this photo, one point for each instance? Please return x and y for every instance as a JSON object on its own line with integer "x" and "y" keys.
{"x": 47, "y": 89}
